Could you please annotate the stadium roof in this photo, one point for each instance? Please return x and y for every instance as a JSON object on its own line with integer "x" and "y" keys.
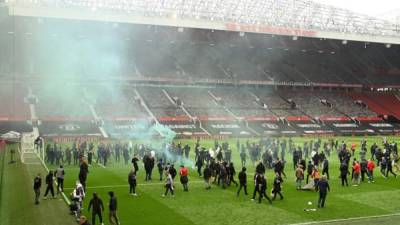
{"x": 282, "y": 17}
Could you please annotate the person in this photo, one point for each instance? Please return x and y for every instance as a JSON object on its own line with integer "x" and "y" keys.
{"x": 183, "y": 172}
{"x": 83, "y": 221}
{"x": 325, "y": 167}
{"x": 135, "y": 163}
{"x": 370, "y": 168}
{"x": 78, "y": 195}
{"x": 49, "y": 182}
{"x": 299, "y": 176}
{"x": 160, "y": 166}
{"x": 310, "y": 167}
{"x": 112, "y": 206}
{"x": 344, "y": 171}
{"x": 60, "y": 179}
{"x": 357, "y": 172}
{"x": 316, "y": 176}
{"x": 37, "y": 184}
{"x": 169, "y": 184}
{"x": 256, "y": 185}
{"x": 132, "y": 182}
{"x": 97, "y": 208}
{"x": 323, "y": 187}
{"x": 263, "y": 190}
{"x": 232, "y": 173}
{"x": 242, "y": 181}
{"x": 277, "y": 186}
{"x": 389, "y": 168}
{"x": 172, "y": 171}
{"x": 243, "y": 157}
{"x": 383, "y": 165}
{"x": 207, "y": 177}
{"x": 83, "y": 171}
{"x": 364, "y": 169}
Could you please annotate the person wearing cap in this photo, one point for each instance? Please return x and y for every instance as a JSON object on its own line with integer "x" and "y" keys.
{"x": 112, "y": 206}
{"x": 97, "y": 205}
{"x": 183, "y": 172}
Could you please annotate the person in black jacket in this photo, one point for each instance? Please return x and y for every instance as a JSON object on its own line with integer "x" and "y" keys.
{"x": 325, "y": 167}
{"x": 148, "y": 161}
{"x": 207, "y": 177}
{"x": 323, "y": 187}
{"x": 132, "y": 182}
{"x": 37, "y": 183}
{"x": 310, "y": 167}
{"x": 242, "y": 181}
{"x": 277, "y": 186}
{"x": 112, "y": 206}
{"x": 50, "y": 183}
{"x": 344, "y": 171}
{"x": 160, "y": 166}
{"x": 83, "y": 171}
{"x": 263, "y": 190}
{"x": 232, "y": 174}
{"x": 172, "y": 171}
{"x": 97, "y": 205}
{"x": 135, "y": 164}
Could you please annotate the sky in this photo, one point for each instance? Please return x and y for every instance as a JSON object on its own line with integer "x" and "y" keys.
{"x": 369, "y": 7}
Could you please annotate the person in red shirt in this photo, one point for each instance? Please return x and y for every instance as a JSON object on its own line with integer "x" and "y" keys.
{"x": 357, "y": 172}
{"x": 183, "y": 172}
{"x": 370, "y": 168}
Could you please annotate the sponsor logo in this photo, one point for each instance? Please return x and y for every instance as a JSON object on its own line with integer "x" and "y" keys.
{"x": 311, "y": 125}
{"x": 345, "y": 125}
{"x": 225, "y": 126}
{"x": 270, "y": 132}
{"x": 181, "y": 126}
{"x": 69, "y": 127}
{"x": 318, "y": 131}
{"x": 129, "y": 127}
{"x": 380, "y": 125}
{"x": 271, "y": 126}
{"x": 288, "y": 132}
{"x": 358, "y": 131}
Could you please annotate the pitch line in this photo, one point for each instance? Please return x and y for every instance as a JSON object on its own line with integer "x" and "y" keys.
{"x": 347, "y": 219}
{"x": 101, "y": 165}
{"x": 125, "y": 185}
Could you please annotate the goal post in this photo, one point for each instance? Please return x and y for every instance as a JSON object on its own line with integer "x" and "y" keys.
{"x": 31, "y": 153}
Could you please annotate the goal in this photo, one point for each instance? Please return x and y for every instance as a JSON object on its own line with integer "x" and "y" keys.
{"x": 31, "y": 153}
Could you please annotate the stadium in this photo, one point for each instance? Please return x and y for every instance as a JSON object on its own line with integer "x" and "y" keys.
{"x": 99, "y": 97}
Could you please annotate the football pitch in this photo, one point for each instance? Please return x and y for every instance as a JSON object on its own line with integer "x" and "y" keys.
{"x": 369, "y": 203}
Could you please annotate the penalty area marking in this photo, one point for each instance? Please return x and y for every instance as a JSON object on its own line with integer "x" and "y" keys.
{"x": 101, "y": 165}
{"x": 347, "y": 219}
{"x": 125, "y": 185}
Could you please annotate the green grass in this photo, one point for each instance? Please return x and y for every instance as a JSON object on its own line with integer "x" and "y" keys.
{"x": 17, "y": 196}
{"x": 218, "y": 206}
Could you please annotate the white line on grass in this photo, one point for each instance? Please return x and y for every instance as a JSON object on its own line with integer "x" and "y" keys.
{"x": 101, "y": 165}
{"x": 347, "y": 219}
{"x": 125, "y": 185}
